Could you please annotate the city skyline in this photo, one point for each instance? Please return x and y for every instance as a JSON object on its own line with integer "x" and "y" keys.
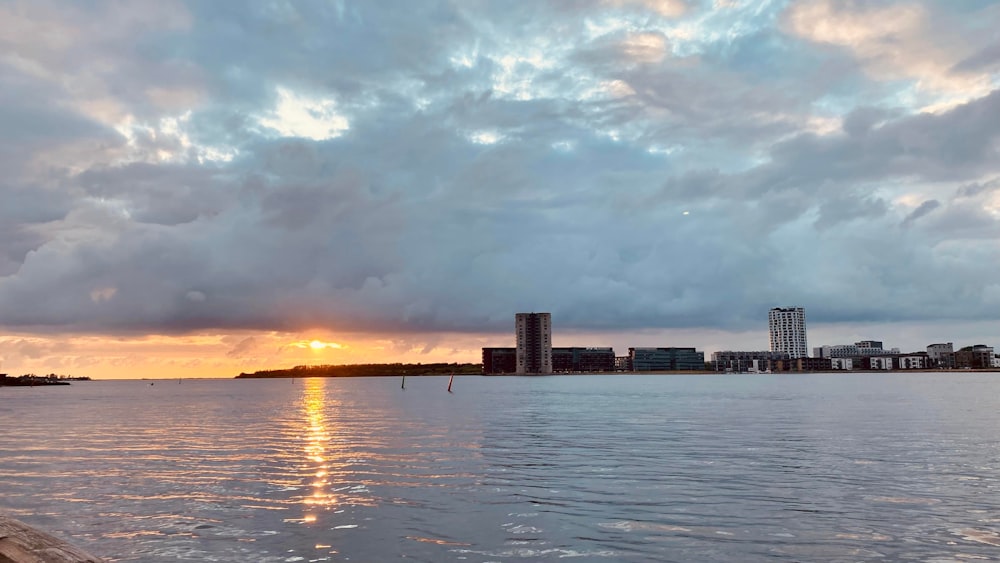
{"x": 175, "y": 356}
{"x": 201, "y": 189}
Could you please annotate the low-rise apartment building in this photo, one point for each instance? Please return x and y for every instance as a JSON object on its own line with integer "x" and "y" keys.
{"x": 666, "y": 359}
{"x": 759, "y": 361}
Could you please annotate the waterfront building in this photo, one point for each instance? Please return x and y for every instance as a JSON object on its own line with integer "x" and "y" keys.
{"x": 873, "y": 348}
{"x": 879, "y": 363}
{"x": 746, "y": 362}
{"x": 942, "y": 355}
{"x": 534, "y": 342}
{"x": 844, "y": 364}
{"x": 499, "y": 360}
{"x": 919, "y": 360}
{"x": 578, "y": 359}
{"x": 803, "y": 364}
{"x": 837, "y": 351}
{"x": 666, "y": 359}
{"x": 787, "y": 327}
{"x": 860, "y": 349}
{"x": 974, "y": 357}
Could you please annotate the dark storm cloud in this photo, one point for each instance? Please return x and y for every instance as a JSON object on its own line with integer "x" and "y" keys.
{"x": 160, "y": 194}
{"x": 860, "y": 121}
{"x": 976, "y": 188}
{"x": 958, "y": 145}
{"x": 988, "y": 58}
{"x": 923, "y": 209}
{"x": 355, "y": 166}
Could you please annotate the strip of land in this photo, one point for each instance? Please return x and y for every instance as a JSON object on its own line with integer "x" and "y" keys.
{"x": 367, "y": 370}
{"x": 36, "y": 381}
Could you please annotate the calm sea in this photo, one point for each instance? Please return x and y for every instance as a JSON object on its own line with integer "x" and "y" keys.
{"x": 600, "y": 468}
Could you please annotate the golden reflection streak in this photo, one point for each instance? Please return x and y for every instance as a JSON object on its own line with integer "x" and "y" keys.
{"x": 316, "y": 438}
{"x": 324, "y": 463}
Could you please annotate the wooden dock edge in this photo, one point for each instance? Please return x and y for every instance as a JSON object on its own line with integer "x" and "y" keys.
{"x": 20, "y": 543}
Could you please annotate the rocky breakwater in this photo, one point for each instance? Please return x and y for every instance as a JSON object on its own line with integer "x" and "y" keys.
{"x": 20, "y": 543}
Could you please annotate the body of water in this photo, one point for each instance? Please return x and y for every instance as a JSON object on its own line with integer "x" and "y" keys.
{"x": 858, "y": 467}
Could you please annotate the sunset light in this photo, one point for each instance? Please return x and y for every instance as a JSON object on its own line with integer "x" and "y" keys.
{"x": 318, "y": 345}
{"x": 281, "y": 186}
{"x": 340, "y": 280}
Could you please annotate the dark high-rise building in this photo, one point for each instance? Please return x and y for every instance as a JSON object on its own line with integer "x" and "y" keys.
{"x": 534, "y": 342}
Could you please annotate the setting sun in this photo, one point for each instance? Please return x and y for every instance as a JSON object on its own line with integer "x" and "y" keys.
{"x": 318, "y": 345}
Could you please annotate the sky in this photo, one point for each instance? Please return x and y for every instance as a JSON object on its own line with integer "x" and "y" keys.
{"x": 195, "y": 189}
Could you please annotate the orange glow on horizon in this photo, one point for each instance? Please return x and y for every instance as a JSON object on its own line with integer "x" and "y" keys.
{"x": 318, "y": 345}
{"x": 223, "y": 355}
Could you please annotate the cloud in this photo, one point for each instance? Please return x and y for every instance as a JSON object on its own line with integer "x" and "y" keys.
{"x": 977, "y": 188}
{"x": 669, "y": 8}
{"x": 987, "y": 58}
{"x": 896, "y": 40}
{"x": 625, "y": 165}
{"x": 924, "y": 208}
{"x": 300, "y": 116}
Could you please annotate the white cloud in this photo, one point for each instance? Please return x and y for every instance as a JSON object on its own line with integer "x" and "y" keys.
{"x": 646, "y": 47}
{"x": 166, "y": 140}
{"x": 486, "y": 137}
{"x": 892, "y": 42}
{"x": 298, "y": 115}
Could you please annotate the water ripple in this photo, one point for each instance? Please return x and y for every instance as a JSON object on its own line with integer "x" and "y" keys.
{"x": 842, "y": 468}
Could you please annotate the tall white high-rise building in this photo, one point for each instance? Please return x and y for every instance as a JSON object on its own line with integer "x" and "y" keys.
{"x": 534, "y": 342}
{"x": 788, "y": 331}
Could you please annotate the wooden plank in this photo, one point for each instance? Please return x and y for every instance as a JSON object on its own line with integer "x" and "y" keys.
{"x": 20, "y": 543}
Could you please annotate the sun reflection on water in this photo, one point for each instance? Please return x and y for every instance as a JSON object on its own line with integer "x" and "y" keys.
{"x": 326, "y": 467}
{"x": 317, "y": 440}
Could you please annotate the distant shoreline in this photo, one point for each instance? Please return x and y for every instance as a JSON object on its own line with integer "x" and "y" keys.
{"x": 37, "y": 381}
{"x": 617, "y": 373}
{"x": 366, "y": 370}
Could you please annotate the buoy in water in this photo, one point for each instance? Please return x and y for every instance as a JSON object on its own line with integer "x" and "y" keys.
{"x": 449, "y": 382}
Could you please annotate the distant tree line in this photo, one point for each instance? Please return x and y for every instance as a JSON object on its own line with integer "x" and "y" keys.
{"x": 368, "y": 370}
{"x": 31, "y": 380}
{"x": 51, "y": 376}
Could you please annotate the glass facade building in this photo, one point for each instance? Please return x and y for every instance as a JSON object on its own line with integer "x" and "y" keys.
{"x": 666, "y": 359}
